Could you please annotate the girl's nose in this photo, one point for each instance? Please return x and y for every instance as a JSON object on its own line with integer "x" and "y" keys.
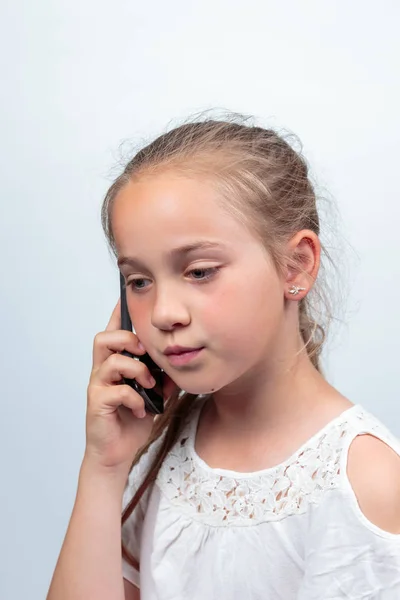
{"x": 169, "y": 311}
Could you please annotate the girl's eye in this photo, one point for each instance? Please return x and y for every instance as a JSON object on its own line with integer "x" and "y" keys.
{"x": 200, "y": 275}
{"x": 134, "y": 284}
{"x": 211, "y": 271}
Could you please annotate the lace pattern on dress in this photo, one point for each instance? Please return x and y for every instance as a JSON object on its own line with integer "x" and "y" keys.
{"x": 219, "y": 499}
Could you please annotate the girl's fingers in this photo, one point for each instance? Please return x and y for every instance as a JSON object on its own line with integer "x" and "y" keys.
{"x": 117, "y": 367}
{"x": 108, "y": 399}
{"x": 112, "y": 431}
{"x": 109, "y": 342}
{"x": 115, "y": 320}
{"x": 113, "y": 339}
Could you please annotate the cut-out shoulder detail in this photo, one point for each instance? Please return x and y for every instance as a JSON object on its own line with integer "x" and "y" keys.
{"x": 373, "y": 470}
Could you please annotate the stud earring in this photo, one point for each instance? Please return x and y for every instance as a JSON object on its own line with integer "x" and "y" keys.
{"x": 294, "y": 290}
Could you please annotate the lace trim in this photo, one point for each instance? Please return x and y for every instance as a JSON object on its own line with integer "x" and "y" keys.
{"x": 273, "y": 494}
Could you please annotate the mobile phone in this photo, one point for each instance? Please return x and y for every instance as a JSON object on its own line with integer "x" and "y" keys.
{"x": 153, "y": 397}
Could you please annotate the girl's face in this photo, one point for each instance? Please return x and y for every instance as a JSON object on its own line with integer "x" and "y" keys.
{"x": 225, "y": 297}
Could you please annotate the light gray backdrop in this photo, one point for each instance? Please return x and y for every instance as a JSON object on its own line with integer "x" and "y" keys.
{"x": 78, "y": 78}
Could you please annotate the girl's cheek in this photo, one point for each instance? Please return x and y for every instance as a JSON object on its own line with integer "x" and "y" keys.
{"x": 220, "y": 317}
{"x": 218, "y": 305}
{"x": 138, "y": 313}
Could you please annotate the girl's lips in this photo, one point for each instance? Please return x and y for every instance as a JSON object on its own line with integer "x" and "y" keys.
{"x": 184, "y": 357}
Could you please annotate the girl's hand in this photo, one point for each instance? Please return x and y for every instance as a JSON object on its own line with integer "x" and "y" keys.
{"x": 116, "y": 422}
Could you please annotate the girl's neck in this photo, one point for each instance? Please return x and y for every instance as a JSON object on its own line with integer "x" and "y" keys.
{"x": 250, "y": 428}
{"x": 273, "y": 398}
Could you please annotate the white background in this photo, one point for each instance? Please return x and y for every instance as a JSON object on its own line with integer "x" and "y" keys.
{"x": 77, "y": 79}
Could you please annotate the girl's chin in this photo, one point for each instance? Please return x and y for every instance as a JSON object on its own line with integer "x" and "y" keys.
{"x": 201, "y": 389}
{"x": 197, "y": 384}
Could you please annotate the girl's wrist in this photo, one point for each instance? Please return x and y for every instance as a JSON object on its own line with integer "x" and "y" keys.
{"x": 111, "y": 476}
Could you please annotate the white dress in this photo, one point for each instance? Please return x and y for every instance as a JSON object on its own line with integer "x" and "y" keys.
{"x": 291, "y": 532}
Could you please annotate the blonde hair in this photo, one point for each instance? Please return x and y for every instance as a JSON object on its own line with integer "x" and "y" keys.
{"x": 263, "y": 182}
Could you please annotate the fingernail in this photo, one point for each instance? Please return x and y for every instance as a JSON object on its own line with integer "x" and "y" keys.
{"x": 140, "y": 346}
{"x": 152, "y": 381}
{"x": 142, "y": 414}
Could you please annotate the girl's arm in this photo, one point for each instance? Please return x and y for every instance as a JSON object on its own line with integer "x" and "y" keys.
{"x": 90, "y": 562}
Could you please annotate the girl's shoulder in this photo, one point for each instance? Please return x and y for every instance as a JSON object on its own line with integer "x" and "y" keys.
{"x": 373, "y": 472}
{"x": 352, "y": 536}
{"x": 368, "y": 468}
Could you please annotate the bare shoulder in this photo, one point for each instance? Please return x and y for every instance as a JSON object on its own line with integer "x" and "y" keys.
{"x": 373, "y": 470}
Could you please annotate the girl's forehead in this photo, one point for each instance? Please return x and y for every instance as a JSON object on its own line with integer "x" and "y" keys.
{"x": 169, "y": 206}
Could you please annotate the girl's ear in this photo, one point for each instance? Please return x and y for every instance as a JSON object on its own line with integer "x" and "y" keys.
{"x": 304, "y": 255}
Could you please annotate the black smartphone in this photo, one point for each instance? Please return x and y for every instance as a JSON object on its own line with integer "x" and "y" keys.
{"x": 153, "y": 398}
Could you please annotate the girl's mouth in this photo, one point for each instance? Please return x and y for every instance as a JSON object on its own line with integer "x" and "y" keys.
{"x": 184, "y": 357}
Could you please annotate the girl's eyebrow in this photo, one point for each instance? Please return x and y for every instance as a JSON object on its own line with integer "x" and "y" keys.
{"x": 175, "y": 252}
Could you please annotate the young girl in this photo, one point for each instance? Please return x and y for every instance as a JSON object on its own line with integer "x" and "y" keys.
{"x": 260, "y": 480}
